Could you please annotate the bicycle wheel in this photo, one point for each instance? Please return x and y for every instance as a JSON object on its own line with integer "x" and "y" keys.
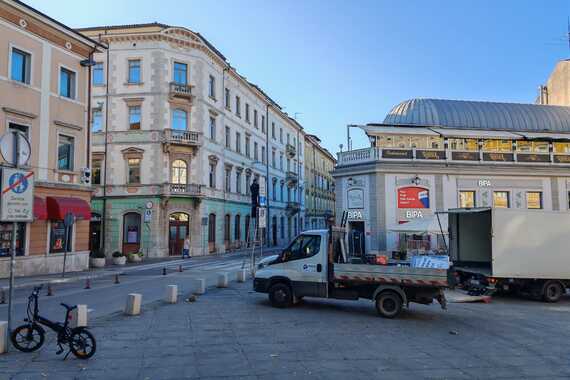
{"x": 28, "y": 338}
{"x": 82, "y": 343}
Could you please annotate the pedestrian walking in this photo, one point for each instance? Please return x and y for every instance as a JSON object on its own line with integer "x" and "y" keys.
{"x": 186, "y": 249}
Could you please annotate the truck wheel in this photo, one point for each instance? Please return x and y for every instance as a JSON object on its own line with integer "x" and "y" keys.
{"x": 552, "y": 291}
{"x": 388, "y": 304}
{"x": 280, "y": 295}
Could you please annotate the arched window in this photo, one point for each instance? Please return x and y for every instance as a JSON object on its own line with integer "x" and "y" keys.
{"x": 179, "y": 172}
{"x": 237, "y": 228}
{"x": 179, "y": 119}
{"x": 212, "y": 228}
{"x": 227, "y": 222}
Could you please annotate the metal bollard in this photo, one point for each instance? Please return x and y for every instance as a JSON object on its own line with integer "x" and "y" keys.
{"x": 133, "y": 306}
{"x": 180, "y": 269}
{"x": 242, "y": 275}
{"x": 3, "y": 337}
{"x": 117, "y": 279}
{"x": 49, "y": 290}
{"x": 171, "y": 294}
{"x": 223, "y": 280}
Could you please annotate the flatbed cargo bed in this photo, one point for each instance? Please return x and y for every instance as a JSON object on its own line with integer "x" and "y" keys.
{"x": 389, "y": 274}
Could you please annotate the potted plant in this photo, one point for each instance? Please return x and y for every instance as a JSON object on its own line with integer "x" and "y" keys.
{"x": 119, "y": 258}
{"x": 97, "y": 259}
{"x": 135, "y": 257}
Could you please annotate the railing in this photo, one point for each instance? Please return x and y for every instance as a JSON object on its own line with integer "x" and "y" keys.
{"x": 291, "y": 151}
{"x": 180, "y": 90}
{"x": 291, "y": 176}
{"x": 178, "y": 136}
{"x": 185, "y": 189}
{"x": 293, "y": 207}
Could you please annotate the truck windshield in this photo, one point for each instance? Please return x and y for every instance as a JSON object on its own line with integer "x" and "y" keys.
{"x": 302, "y": 247}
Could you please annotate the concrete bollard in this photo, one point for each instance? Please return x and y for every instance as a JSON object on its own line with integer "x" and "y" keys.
{"x": 133, "y": 306}
{"x": 201, "y": 286}
{"x": 242, "y": 275}
{"x": 223, "y": 280}
{"x": 3, "y": 337}
{"x": 79, "y": 316}
{"x": 171, "y": 294}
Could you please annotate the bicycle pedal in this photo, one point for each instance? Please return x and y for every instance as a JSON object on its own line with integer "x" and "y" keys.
{"x": 59, "y": 351}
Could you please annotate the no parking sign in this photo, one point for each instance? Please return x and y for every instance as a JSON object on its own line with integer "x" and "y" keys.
{"x": 17, "y": 199}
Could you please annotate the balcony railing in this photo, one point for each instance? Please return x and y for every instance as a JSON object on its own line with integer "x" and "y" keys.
{"x": 188, "y": 189}
{"x": 291, "y": 177}
{"x": 290, "y": 150}
{"x": 293, "y": 207}
{"x": 180, "y": 90}
{"x": 182, "y": 137}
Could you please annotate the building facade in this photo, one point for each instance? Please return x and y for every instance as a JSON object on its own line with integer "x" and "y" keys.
{"x": 556, "y": 90}
{"x": 319, "y": 185}
{"x": 185, "y": 135}
{"x": 432, "y": 155}
{"x": 44, "y": 88}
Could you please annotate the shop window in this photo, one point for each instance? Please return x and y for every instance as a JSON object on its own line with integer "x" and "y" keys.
{"x": 402, "y": 142}
{"x": 131, "y": 228}
{"x": 418, "y": 142}
{"x": 561, "y": 148}
{"x": 59, "y": 240}
{"x": 532, "y": 146}
{"x": 65, "y": 153}
{"x": 435, "y": 142}
{"x": 534, "y": 199}
{"x": 6, "y": 238}
{"x": 501, "y": 199}
{"x": 134, "y": 168}
{"x": 471, "y": 145}
{"x": 497, "y": 146}
{"x": 466, "y": 199}
{"x": 179, "y": 172}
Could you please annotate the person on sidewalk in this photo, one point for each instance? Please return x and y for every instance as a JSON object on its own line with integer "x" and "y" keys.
{"x": 186, "y": 249}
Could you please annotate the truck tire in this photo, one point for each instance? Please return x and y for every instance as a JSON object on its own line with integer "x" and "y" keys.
{"x": 388, "y": 304}
{"x": 280, "y": 295}
{"x": 552, "y": 291}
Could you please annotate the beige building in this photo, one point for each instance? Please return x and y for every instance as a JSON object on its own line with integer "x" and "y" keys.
{"x": 556, "y": 91}
{"x": 44, "y": 71}
{"x": 319, "y": 184}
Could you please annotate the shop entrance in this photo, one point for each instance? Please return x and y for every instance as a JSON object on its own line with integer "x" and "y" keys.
{"x": 95, "y": 233}
{"x": 131, "y": 233}
{"x": 356, "y": 239}
{"x": 178, "y": 229}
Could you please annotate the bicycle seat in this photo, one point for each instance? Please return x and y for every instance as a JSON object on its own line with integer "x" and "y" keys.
{"x": 67, "y": 306}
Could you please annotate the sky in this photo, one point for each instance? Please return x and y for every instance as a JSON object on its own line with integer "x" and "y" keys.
{"x": 331, "y": 63}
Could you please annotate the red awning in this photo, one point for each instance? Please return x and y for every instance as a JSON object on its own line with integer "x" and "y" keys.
{"x": 40, "y": 209}
{"x": 58, "y": 207}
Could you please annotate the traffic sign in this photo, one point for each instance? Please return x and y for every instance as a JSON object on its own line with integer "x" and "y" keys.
{"x": 262, "y": 201}
{"x": 68, "y": 219}
{"x": 262, "y": 221}
{"x": 147, "y": 215}
{"x": 12, "y": 142}
{"x": 17, "y": 199}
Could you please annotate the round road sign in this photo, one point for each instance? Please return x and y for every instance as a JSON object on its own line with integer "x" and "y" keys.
{"x": 8, "y": 143}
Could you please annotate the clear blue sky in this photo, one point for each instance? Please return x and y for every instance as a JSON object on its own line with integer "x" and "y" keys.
{"x": 340, "y": 62}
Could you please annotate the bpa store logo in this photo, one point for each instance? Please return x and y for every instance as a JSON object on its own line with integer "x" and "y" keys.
{"x": 423, "y": 197}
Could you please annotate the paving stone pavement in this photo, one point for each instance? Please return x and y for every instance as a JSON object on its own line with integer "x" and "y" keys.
{"x": 233, "y": 333}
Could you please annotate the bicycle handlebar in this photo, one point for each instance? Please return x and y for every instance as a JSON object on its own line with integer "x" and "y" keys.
{"x": 67, "y": 306}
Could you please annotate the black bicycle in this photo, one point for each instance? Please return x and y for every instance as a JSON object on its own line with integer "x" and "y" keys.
{"x": 30, "y": 336}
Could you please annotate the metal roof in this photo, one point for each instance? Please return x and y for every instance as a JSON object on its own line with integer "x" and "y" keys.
{"x": 480, "y": 115}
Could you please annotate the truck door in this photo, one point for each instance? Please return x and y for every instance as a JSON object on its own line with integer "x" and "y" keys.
{"x": 304, "y": 261}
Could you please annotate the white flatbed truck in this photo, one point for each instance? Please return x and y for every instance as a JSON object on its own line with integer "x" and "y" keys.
{"x": 307, "y": 268}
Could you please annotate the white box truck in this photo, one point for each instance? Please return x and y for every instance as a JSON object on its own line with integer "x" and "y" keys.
{"x": 526, "y": 251}
{"x": 310, "y": 267}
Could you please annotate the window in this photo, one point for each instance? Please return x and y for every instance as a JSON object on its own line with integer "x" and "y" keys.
{"x": 238, "y": 142}
{"x": 212, "y": 87}
{"x": 228, "y": 180}
{"x": 534, "y": 199}
{"x": 255, "y": 153}
{"x": 134, "y": 170}
{"x": 131, "y": 228}
{"x": 282, "y": 227}
{"x": 65, "y": 153}
{"x": 497, "y": 145}
{"x": 67, "y": 83}
{"x": 247, "y": 150}
{"x": 58, "y": 236}
{"x": 98, "y": 76}
{"x": 281, "y": 161}
{"x": 255, "y": 119}
{"x": 96, "y": 172}
{"x": 532, "y": 146}
{"x": 6, "y": 230}
{"x": 273, "y": 159}
{"x": 97, "y": 121}
{"x": 212, "y": 228}
{"x": 134, "y": 117}
{"x": 228, "y": 138}
{"x": 561, "y": 148}
{"x": 263, "y": 124}
{"x": 281, "y": 136}
{"x": 227, "y": 99}
{"x": 247, "y": 112}
{"x": 263, "y": 158}
{"x": 281, "y": 192}
{"x": 179, "y": 172}
{"x": 273, "y": 130}
{"x": 179, "y": 120}
{"x": 20, "y": 128}
{"x": 180, "y": 73}
{"x": 247, "y": 183}
{"x": 213, "y": 128}
{"x": 212, "y": 175}
{"x": 134, "y": 71}
{"x": 464, "y": 144}
{"x": 237, "y": 228}
{"x": 466, "y": 199}
{"x": 227, "y": 226}
{"x": 302, "y": 247}
{"x": 501, "y": 199}
{"x": 21, "y": 66}
{"x": 274, "y": 189}
{"x": 238, "y": 106}
{"x": 238, "y": 182}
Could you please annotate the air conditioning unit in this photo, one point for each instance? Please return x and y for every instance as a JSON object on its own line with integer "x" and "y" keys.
{"x": 85, "y": 176}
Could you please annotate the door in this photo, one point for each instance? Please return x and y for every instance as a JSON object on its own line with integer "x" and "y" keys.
{"x": 304, "y": 262}
{"x": 95, "y": 233}
{"x": 178, "y": 229}
{"x": 131, "y": 232}
{"x": 356, "y": 239}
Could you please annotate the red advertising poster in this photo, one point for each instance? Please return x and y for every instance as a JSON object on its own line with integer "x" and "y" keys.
{"x": 413, "y": 197}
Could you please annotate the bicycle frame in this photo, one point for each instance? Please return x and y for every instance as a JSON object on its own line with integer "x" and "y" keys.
{"x": 35, "y": 317}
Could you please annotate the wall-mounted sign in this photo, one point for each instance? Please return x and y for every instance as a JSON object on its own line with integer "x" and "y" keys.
{"x": 562, "y": 159}
{"x": 17, "y": 198}
{"x": 355, "y": 215}
{"x": 465, "y": 156}
{"x": 526, "y": 157}
{"x": 430, "y": 154}
{"x": 397, "y": 153}
{"x": 484, "y": 183}
{"x": 413, "y": 197}
{"x": 355, "y": 198}
{"x": 498, "y": 157}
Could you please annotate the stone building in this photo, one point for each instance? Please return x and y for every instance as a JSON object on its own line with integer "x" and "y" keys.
{"x": 319, "y": 185}
{"x": 556, "y": 90}
{"x": 185, "y": 135}
{"x": 44, "y": 86}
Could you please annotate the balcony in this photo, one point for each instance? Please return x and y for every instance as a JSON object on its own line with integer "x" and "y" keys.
{"x": 179, "y": 90}
{"x": 291, "y": 178}
{"x": 292, "y": 208}
{"x": 185, "y": 189}
{"x": 290, "y": 150}
{"x": 183, "y": 137}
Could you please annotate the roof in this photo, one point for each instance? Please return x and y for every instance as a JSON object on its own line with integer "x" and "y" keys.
{"x": 462, "y": 114}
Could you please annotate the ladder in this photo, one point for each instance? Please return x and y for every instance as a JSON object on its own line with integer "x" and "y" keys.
{"x": 256, "y": 245}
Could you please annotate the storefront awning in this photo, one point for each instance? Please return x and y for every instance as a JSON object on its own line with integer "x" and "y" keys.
{"x": 545, "y": 136}
{"x": 40, "y": 209}
{"x": 58, "y": 207}
{"x": 375, "y": 129}
{"x": 476, "y": 133}
{"x": 428, "y": 225}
